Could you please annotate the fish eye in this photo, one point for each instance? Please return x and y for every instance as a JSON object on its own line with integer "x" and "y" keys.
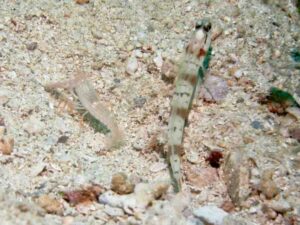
{"x": 207, "y": 26}
{"x": 198, "y": 25}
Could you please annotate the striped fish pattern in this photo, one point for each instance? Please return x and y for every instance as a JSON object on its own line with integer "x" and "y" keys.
{"x": 191, "y": 73}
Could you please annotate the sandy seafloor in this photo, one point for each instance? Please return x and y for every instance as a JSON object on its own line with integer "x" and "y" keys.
{"x": 102, "y": 38}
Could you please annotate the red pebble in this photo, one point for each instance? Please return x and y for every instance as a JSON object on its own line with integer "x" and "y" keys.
{"x": 214, "y": 158}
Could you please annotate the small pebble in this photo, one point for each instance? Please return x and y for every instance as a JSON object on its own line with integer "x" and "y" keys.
{"x": 232, "y": 70}
{"x": 33, "y": 126}
{"x": 158, "y": 166}
{"x": 97, "y": 34}
{"x": 150, "y": 28}
{"x": 37, "y": 169}
{"x": 100, "y": 215}
{"x": 240, "y": 100}
{"x": 210, "y": 214}
{"x": 238, "y": 74}
{"x": 233, "y": 58}
{"x": 256, "y": 124}
{"x": 233, "y": 219}
{"x": 201, "y": 177}
{"x": 121, "y": 184}
{"x": 234, "y": 11}
{"x": 271, "y": 214}
{"x": 138, "y": 53}
{"x": 68, "y": 220}
{"x": 97, "y": 65}
{"x": 85, "y": 208}
{"x": 31, "y": 46}
{"x": 280, "y": 206}
{"x": 267, "y": 186}
{"x": 188, "y": 8}
{"x": 113, "y": 211}
{"x": 276, "y": 54}
{"x": 139, "y": 145}
{"x": 139, "y": 101}
{"x": 129, "y": 47}
{"x": 192, "y": 157}
{"x": 241, "y": 30}
{"x": 80, "y": 2}
{"x": 294, "y": 111}
{"x": 50, "y": 205}
{"x": 132, "y": 66}
{"x": 228, "y": 206}
{"x": 3, "y": 100}
{"x": 62, "y": 139}
{"x": 6, "y": 145}
{"x": 158, "y": 61}
{"x": 254, "y": 209}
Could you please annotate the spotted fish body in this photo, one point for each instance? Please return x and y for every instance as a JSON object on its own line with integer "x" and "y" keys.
{"x": 191, "y": 72}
